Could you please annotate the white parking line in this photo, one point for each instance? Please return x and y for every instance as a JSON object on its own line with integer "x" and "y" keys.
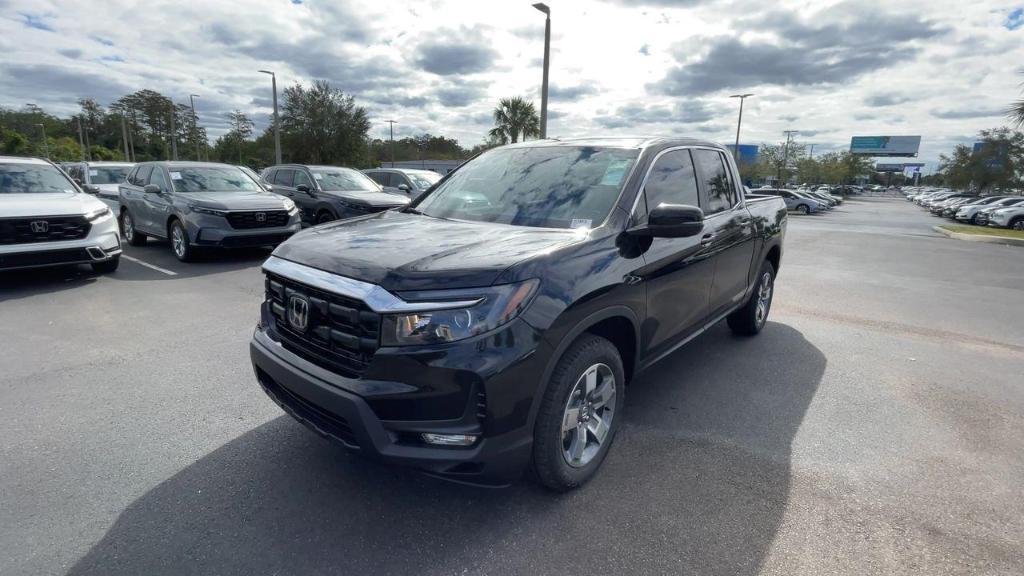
{"x": 148, "y": 265}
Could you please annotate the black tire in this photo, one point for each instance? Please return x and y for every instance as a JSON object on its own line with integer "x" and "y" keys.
{"x": 106, "y": 267}
{"x": 325, "y": 216}
{"x": 1017, "y": 224}
{"x": 131, "y": 235}
{"x": 803, "y": 209}
{"x": 550, "y": 464}
{"x": 180, "y": 245}
{"x": 748, "y": 320}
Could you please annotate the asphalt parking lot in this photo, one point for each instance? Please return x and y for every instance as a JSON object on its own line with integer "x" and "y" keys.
{"x": 875, "y": 427}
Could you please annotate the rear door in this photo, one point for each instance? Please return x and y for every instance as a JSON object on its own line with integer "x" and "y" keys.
{"x": 676, "y": 271}
{"x": 728, "y": 229}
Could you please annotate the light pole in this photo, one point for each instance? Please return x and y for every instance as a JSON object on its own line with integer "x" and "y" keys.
{"x": 547, "y": 58}
{"x": 739, "y": 122}
{"x": 174, "y": 135}
{"x": 277, "y": 127}
{"x": 392, "y": 123}
{"x": 81, "y": 140}
{"x": 785, "y": 154}
{"x": 195, "y": 124}
{"x": 46, "y": 145}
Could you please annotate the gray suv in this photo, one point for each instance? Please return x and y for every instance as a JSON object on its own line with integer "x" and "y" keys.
{"x": 404, "y": 181}
{"x": 195, "y": 204}
{"x": 325, "y": 193}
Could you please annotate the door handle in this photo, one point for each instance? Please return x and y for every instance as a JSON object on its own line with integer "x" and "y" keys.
{"x": 707, "y": 239}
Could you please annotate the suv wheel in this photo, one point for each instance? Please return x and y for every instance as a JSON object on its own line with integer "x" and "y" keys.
{"x": 579, "y": 414}
{"x": 751, "y": 318}
{"x": 1018, "y": 224}
{"x": 803, "y": 209}
{"x": 131, "y": 235}
{"x": 179, "y": 242}
{"x": 324, "y": 216}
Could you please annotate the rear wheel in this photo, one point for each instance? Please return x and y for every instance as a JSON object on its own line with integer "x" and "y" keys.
{"x": 131, "y": 235}
{"x": 106, "y": 267}
{"x": 324, "y": 216}
{"x": 803, "y": 209}
{"x": 579, "y": 414}
{"x": 751, "y": 318}
{"x": 179, "y": 242}
{"x": 1018, "y": 224}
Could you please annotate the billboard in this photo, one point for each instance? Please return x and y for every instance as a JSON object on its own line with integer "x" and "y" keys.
{"x": 888, "y": 167}
{"x": 885, "y": 145}
{"x": 748, "y": 153}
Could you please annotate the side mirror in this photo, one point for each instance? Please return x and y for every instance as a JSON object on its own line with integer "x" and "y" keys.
{"x": 404, "y": 188}
{"x": 91, "y": 189}
{"x": 151, "y": 189}
{"x": 672, "y": 221}
{"x": 304, "y": 188}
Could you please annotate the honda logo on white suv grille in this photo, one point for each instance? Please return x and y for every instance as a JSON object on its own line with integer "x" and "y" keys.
{"x": 39, "y": 226}
{"x": 261, "y": 217}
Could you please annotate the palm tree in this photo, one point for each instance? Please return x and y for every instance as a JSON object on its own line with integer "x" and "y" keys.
{"x": 514, "y": 117}
{"x": 1016, "y": 111}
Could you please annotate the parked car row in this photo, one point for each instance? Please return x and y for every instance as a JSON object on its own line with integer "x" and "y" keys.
{"x": 803, "y": 201}
{"x": 998, "y": 211}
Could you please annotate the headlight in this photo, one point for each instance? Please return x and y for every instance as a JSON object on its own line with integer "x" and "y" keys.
{"x": 98, "y": 213}
{"x": 210, "y": 211}
{"x": 497, "y": 305}
{"x": 289, "y": 205}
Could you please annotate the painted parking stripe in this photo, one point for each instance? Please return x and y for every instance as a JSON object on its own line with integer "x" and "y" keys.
{"x": 148, "y": 265}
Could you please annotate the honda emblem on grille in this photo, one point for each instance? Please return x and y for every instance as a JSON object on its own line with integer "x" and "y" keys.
{"x": 298, "y": 312}
{"x": 261, "y": 217}
{"x": 39, "y": 226}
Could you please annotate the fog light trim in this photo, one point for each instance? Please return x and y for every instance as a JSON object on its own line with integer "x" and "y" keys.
{"x": 449, "y": 439}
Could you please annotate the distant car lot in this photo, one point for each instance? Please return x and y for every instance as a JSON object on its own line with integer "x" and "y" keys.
{"x": 860, "y": 418}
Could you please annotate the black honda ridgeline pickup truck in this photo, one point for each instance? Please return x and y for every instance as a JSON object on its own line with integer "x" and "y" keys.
{"x": 495, "y": 322}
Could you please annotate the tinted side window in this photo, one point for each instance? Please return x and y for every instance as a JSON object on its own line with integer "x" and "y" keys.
{"x": 399, "y": 179}
{"x": 158, "y": 178}
{"x": 142, "y": 175}
{"x": 376, "y": 177}
{"x": 715, "y": 180}
{"x": 284, "y": 177}
{"x": 301, "y": 178}
{"x": 268, "y": 175}
{"x": 672, "y": 181}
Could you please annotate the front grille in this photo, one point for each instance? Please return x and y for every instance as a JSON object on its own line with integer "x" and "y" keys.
{"x": 257, "y": 219}
{"x": 342, "y": 334}
{"x": 43, "y": 229}
{"x": 323, "y": 420}
{"x": 44, "y": 258}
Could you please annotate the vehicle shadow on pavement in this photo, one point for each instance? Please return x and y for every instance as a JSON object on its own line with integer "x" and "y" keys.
{"x": 697, "y": 483}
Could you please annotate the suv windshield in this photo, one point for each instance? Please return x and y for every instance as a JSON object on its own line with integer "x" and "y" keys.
{"x": 549, "y": 187}
{"x": 423, "y": 180}
{"x": 108, "y": 174}
{"x": 344, "y": 180}
{"x": 211, "y": 179}
{"x": 19, "y": 178}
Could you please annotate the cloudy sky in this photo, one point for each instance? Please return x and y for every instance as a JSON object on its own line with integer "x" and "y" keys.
{"x": 941, "y": 69}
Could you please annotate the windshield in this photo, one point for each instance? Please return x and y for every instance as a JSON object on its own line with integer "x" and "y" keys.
{"x": 108, "y": 174}
{"x": 18, "y": 178}
{"x": 344, "y": 180}
{"x": 423, "y": 180}
{"x": 211, "y": 179}
{"x": 550, "y": 187}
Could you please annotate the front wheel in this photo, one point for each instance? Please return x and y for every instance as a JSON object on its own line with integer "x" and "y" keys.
{"x": 131, "y": 235}
{"x": 579, "y": 414}
{"x": 751, "y": 318}
{"x": 324, "y": 217}
{"x": 179, "y": 242}
{"x": 803, "y": 209}
{"x": 1018, "y": 224}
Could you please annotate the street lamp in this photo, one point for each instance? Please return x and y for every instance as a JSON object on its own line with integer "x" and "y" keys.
{"x": 739, "y": 122}
{"x": 46, "y": 145}
{"x": 785, "y": 155}
{"x": 277, "y": 127}
{"x": 195, "y": 123}
{"x": 547, "y": 54}
{"x": 392, "y": 123}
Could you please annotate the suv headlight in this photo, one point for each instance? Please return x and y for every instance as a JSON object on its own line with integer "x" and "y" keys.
{"x": 210, "y": 211}
{"x": 98, "y": 213}
{"x": 289, "y": 205}
{"x": 495, "y": 306}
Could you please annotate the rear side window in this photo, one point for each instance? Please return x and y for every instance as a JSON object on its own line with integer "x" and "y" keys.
{"x": 672, "y": 181}
{"x": 284, "y": 177}
{"x": 716, "y": 181}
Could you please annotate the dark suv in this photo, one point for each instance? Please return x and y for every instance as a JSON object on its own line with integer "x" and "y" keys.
{"x": 494, "y": 323}
{"x": 197, "y": 204}
{"x": 326, "y": 193}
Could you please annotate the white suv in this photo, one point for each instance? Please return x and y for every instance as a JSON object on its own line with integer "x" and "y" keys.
{"x": 46, "y": 220}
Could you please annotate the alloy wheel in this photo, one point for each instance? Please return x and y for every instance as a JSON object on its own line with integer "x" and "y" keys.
{"x": 764, "y": 298}
{"x": 129, "y": 228}
{"x": 178, "y": 241}
{"x": 588, "y": 414}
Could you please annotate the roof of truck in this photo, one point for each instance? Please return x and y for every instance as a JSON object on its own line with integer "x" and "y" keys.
{"x": 619, "y": 142}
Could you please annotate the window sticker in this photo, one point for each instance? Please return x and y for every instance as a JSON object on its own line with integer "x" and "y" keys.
{"x": 175, "y": 175}
{"x": 580, "y": 223}
{"x": 616, "y": 172}
{"x": 318, "y": 176}
{"x": 94, "y": 172}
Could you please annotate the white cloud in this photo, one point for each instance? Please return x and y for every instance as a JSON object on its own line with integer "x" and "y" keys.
{"x": 833, "y": 69}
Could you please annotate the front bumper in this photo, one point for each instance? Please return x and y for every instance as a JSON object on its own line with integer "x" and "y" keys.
{"x": 491, "y": 380}
{"x": 103, "y": 243}
{"x": 209, "y": 230}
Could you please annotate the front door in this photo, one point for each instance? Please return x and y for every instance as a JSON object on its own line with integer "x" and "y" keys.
{"x": 158, "y": 206}
{"x": 677, "y": 272}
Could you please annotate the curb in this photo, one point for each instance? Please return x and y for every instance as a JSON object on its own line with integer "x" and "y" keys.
{"x": 980, "y": 237}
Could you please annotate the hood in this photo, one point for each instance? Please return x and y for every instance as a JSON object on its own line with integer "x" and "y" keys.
{"x": 368, "y": 199}
{"x": 250, "y": 200}
{"x": 400, "y": 251}
{"x": 53, "y": 204}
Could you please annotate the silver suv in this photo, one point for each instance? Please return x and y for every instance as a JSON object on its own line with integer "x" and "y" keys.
{"x": 99, "y": 178}
{"x": 196, "y": 204}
